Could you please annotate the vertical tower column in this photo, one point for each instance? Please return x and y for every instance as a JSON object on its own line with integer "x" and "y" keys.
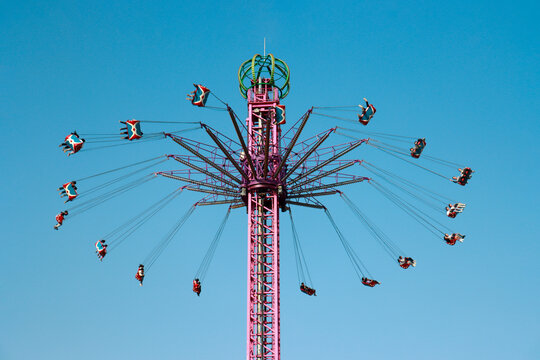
{"x": 263, "y": 206}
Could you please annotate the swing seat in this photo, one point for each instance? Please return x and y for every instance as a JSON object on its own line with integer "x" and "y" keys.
{"x": 74, "y": 142}
{"x": 200, "y": 95}
{"x": 133, "y": 129}
{"x": 280, "y": 114}
{"x": 69, "y": 188}
{"x": 367, "y": 114}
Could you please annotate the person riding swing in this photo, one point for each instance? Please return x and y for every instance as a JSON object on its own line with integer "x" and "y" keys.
{"x": 307, "y": 290}
{"x": 197, "y": 286}
{"x": 370, "y": 282}
{"x": 405, "y": 262}
{"x": 101, "y": 249}
{"x": 140, "y": 274}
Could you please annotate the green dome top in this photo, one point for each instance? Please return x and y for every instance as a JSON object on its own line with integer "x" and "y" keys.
{"x": 260, "y": 67}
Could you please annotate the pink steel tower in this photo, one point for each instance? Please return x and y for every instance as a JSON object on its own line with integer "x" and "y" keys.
{"x": 265, "y": 189}
{"x": 263, "y": 205}
{"x": 263, "y": 192}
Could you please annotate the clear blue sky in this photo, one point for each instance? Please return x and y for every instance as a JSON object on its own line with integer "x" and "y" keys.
{"x": 462, "y": 74}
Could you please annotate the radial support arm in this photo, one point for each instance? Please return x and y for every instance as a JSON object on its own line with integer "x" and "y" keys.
{"x": 196, "y": 182}
{"x": 308, "y": 153}
{"x": 330, "y": 172}
{"x": 306, "y": 205}
{"x": 329, "y": 186}
{"x": 242, "y": 142}
{"x": 205, "y": 159}
{"x": 293, "y": 142}
{"x": 324, "y": 193}
{"x": 324, "y": 163}
{"x": 213, "y": 192}
{"x": 203, "y": 171}
{"x": 227, "y": 153}
{"x": 219, "y": 202}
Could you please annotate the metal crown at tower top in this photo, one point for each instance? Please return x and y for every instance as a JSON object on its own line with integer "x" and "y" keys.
{"x": 264, "y": 70}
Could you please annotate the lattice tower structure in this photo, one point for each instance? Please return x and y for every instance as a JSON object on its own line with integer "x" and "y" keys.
{"x": 265, "y": 196}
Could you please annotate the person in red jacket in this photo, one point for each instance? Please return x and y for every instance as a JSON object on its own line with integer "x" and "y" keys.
{"x": 60, "y": 219}
{"x": 197, "y": 287}
{"x": 405, "y": 262}
{"x": 101, "y": 249}
{"x": 464, "y": 176}
{"x": 140, "y": 274}
{"x": 453, "y": 210}
{"x": 451, "y": 239}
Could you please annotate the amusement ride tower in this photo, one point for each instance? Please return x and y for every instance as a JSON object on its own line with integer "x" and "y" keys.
{"x": 273, "y": 179}
{"x": 264, "y": 192}
{"x": 266, "y": 172}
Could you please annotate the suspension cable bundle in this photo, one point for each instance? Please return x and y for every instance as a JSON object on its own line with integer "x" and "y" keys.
{"x": 359, "y": 267}
{"x": 388, "y": 245}
{"x": 89, "y": 204}
{"x": 394, "y": 179}
{"x": 205, "y": 264}
{"x": 410, "y": 189}
{"x": 122, "y": 232}
{"x": 113, "y": 140}
{"x": 398, "y": 152}
{"x": 156, "y": 161}
{"x": 302, "y": 270}
{"x": 418, "y": 215}
{"x": 119, "y": 168}
{"x": 162, "y": 245}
